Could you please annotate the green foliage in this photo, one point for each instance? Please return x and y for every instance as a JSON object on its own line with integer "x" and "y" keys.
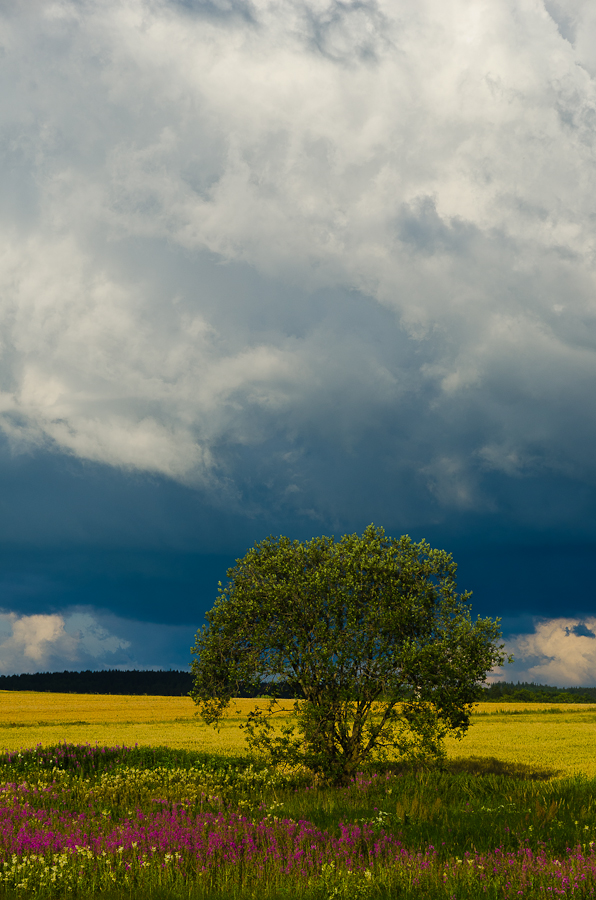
{"x": 368, "y": 631}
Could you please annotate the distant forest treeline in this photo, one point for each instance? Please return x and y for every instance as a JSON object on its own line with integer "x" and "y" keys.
{"x": 174, "y": 683}
{"x": 111, "y": 681}
{"x": 528, "y": 692}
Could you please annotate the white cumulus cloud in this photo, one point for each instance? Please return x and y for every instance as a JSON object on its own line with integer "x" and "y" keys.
{"x": 44, "y": 642}
{"x": 559, "y": 652}
{"x": 83, "y": 638}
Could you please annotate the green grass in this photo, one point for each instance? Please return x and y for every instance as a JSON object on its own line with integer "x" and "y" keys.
{"x": 463, "y": 812}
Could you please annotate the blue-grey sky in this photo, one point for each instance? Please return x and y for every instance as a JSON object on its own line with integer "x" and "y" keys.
{"x": 293, "y": 266}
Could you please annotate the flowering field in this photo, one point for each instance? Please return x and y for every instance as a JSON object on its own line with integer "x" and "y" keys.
{"x": 187, "y": 816}
{"x": 84, "y": 821}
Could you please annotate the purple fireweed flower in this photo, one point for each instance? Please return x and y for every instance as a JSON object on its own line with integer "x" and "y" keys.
{"x": 191, "y": 841}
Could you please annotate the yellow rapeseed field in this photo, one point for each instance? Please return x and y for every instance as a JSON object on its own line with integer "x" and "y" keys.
{"x": 28, "y": 718}
{"x": 558, "y": 737}
{"x": 551, "y": 736}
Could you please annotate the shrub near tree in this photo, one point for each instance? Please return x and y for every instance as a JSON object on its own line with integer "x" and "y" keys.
{"x": 368, "y": 631}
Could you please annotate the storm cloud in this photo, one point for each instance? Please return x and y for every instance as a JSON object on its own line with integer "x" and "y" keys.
{"x": 301, "y": 265}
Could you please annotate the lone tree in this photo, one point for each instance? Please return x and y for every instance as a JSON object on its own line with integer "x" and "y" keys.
{"x": 368, "y": 632}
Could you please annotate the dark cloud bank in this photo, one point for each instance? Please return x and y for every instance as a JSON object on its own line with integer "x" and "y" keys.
{"x": 293, "y": 268}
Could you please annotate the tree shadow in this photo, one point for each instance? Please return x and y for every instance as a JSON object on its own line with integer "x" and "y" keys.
{"x": 490, "y": 765}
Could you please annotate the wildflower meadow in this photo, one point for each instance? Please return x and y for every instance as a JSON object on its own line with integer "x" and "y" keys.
{"x": 88, "y": 821}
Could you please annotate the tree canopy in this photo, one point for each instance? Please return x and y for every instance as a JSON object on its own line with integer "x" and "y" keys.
{"x": 370, "y": 634}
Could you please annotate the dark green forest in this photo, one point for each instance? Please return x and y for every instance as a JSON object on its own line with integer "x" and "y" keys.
{"x": 176, "y": 683}
{"x": 171, "y": 683}
{"x": 528, "y": 692}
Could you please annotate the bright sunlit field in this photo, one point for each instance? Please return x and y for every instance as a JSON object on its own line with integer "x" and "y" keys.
{"x": 557, "y": 737}
{"x": 28, "y": 718}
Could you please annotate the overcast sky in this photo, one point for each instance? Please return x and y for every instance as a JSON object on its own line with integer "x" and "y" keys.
{"x": 294, "y": 267}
